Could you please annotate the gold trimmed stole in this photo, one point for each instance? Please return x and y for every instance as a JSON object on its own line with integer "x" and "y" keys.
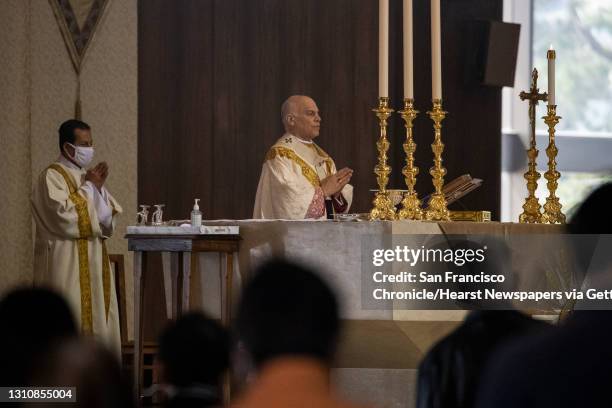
{"x": 85, "y": 232}
{"x": 307, "y": 170}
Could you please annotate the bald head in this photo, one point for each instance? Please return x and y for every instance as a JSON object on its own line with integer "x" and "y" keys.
{"x": 292, "y": 105}
{"x": 300, "y": 116}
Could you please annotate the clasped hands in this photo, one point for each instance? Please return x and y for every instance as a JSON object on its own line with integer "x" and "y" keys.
{"x": 333, "y": 185}
{"x": 97, "y": 175}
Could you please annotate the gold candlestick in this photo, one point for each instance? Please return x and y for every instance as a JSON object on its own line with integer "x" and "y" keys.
{"x": 436, "y": 209}
{"x": 531, "y": 208}
{"x": 383, "y": 207}
{"x": 552, "y": 207}
{"x": 411, "y": 205}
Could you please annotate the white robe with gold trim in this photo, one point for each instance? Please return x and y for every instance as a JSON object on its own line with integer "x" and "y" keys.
{"x": 71, "y": 227}
{"x": 291, "y": 173}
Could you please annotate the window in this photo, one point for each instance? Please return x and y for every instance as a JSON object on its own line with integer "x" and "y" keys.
{"x": 581, "y": 33}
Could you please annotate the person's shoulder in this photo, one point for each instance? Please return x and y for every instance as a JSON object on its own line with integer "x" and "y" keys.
{"x": 513, "y": 366}
{"x": 278, "y": 152}
{"x": 58, "y": 175}
{"x": 514, "y": 322}
{"x": 287, "y": 141}
{"x": 53, "y": 170}
{"x": 444, "y": 348}
{"x": 528, "y": 354}
{"x": 531, "y": 323}
{"x": 284, "y": 142}
{"x": 284, "y": 147}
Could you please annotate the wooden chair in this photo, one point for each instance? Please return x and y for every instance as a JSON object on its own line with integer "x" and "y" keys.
{"x": 150, "y": 349}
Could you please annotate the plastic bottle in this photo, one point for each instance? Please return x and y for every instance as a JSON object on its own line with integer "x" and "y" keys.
{"x": 196, "y": 215}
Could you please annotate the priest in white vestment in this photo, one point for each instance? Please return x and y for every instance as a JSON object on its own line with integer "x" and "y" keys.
{"x": 298, "y": 179}
{"x": 74, "y": 215}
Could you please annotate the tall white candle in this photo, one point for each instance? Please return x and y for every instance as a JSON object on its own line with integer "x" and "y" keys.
{"x": 551, "y": 55}
{"x": 436, "y": 51}
{"x": 383, "y": 48}
{"x": 408, "y": 54}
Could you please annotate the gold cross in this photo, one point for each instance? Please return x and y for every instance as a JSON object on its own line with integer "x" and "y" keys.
{"x": 534, "y": 97}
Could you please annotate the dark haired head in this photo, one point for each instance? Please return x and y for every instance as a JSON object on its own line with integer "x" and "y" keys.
{"x": 593, "y": 215}
{"x": 288, "y": 310}
{"x": 32, "y": 320}
{"x": 194, "y": 350}
{"x": 89, "y": 367}
{"x": 590, "y": 220}
{"x": 66, "y": 131}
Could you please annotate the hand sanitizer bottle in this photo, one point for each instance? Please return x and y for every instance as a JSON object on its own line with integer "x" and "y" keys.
{"x": 196, "y": 215}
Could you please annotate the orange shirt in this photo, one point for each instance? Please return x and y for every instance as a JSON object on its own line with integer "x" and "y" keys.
{"x": 292, "y": 382}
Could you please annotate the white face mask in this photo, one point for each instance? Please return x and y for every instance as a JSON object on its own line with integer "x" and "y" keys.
{"x": 83, "y": 155}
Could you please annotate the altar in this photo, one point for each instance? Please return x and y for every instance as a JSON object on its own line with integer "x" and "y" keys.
{"x": 378, "y": 346}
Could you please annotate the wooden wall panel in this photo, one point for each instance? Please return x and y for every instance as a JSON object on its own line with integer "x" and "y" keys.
{"x": 276, "y": 48}
{"x": 175, "y": 115}
{"x": 213, "y": 74}
{"x": 175, "y": 118}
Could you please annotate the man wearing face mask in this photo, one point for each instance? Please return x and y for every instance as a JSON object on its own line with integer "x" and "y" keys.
{"x": 74, "y": 215}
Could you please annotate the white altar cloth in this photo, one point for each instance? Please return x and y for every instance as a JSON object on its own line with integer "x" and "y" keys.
{"x": 380, "y": 350}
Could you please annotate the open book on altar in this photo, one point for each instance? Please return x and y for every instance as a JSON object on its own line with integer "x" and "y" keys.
{"x": 457, "y": 188}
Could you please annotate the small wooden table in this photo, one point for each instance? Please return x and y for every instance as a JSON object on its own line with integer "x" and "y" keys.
{"x": 183, "y": 251}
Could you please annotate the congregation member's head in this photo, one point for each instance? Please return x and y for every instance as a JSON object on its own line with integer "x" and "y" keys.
{"x": 76, "y": 143}
{"x": 90, "y": 369}
{"x": 288, "y": 311}
{"x": 194, "y": 355}
{"x": 590, "y": 220}
{"x": 593, "y": 215}
{"x": 32, "y": 321}
{"x": 300, "y": 116}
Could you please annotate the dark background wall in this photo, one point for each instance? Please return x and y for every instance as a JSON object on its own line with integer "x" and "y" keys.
{"x": 213, "y": 74}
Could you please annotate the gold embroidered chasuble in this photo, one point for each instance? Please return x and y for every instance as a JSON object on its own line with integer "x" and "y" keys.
{"x": 70, "y": 254}
{"x": 291, "y": 173}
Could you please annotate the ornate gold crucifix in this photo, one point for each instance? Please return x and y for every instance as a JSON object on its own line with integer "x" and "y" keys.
{"x": 531, "y": 209}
